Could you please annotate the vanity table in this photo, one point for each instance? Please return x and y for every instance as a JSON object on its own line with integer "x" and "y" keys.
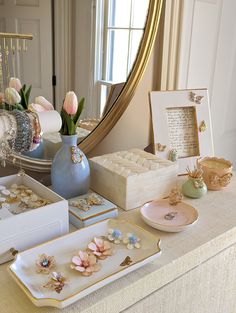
{"x": 196, "y": 271}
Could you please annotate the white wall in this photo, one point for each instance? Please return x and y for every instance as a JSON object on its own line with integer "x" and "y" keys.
{"x": 208, "y": 59}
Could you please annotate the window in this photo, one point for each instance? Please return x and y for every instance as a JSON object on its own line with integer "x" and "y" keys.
{"x": 121, "y": 24}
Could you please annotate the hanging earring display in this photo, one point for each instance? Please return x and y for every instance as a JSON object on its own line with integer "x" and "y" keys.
{"x": 13, "y": 57}
{"x": 11, "y": 44}
{"x": 18, "y": 46}
{"x": 17, "y": 129}
{"x": 6, "y": 53}
{"x": 1, "y": 73}
{"x": 24, "y": 46}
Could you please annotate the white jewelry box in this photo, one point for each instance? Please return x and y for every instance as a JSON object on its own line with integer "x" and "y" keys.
{"x": 131, "y": 178}
{"x": 27, "y": 229}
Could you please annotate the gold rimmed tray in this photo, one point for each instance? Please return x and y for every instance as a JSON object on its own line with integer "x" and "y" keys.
{"x": 23, "y": 269}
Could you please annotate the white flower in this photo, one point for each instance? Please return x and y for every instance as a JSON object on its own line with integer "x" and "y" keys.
{"x": 114, "y": 235}
{"x": 132, "y": 241}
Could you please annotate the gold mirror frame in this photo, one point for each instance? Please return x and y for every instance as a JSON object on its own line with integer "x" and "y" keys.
{"x": 123, "y": 100}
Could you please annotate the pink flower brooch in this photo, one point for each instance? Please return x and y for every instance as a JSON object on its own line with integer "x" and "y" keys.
{"x": 100, "y": 248}
{"x": 45, "y": 263}
{"x": 85, "y": 263}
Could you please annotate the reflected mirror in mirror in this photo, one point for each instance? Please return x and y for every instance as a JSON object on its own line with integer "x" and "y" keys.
{"x": 86, "y": 46}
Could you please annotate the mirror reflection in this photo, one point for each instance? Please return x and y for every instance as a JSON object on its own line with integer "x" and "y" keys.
{"x": 86, "y": 46}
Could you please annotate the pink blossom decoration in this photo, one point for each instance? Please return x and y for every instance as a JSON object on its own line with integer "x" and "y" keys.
{"x": 85, "y": 263}
{"x": 71, "y": 103}
{"x": 100, "y": 248}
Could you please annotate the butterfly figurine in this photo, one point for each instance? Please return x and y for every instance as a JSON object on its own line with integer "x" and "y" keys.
{"x": 194, "y": 98}
{"x": 203, "y": 126}
{"x": 160, "y": 147}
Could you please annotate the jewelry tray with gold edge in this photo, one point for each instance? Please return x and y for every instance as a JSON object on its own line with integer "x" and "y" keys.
{"x": 23, "y": 269}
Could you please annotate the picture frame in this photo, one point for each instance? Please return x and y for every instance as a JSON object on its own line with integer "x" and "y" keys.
{"x": 182, "y": 126}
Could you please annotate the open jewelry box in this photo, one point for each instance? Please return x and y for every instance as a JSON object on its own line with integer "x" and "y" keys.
{"x": 22, "y": 230}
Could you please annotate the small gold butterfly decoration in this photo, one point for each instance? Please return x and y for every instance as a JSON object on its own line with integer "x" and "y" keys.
{"x": 127, "y": 261}
{"x": 194, "y": 98}
{"x": 160, "y": 147}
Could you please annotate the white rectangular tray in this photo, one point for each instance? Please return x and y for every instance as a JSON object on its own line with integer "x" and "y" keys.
{"x": 24, "y": 272}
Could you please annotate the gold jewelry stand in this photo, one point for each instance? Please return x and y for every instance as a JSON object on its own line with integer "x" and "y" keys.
{"x": 11, "y": 44}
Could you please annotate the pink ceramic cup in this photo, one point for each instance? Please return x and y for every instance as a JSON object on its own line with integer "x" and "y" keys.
{"x": 217, "y": 172}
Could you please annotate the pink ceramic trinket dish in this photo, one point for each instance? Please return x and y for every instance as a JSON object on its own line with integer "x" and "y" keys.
{"x": 166, "y": 217}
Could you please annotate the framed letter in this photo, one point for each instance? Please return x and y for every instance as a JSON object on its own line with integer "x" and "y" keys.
{"x": 181, "y": 126}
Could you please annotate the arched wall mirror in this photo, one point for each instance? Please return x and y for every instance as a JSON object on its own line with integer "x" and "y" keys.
{"x": 98, "y": 48}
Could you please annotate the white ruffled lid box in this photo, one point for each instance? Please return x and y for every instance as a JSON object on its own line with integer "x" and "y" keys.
{"x": 132, "y": 178}
{"x": 25, "y": 230}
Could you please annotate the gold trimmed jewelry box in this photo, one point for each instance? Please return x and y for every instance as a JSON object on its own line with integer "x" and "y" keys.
{"x": 131, "y": 178}
{"x": 23, "y": 226}
{"x": 90, "y": 208}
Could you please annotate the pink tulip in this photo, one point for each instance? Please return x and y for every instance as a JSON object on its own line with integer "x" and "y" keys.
{"x": 71, "y": 103}
{"x": 15, "y": 83}
{"x": 44, "y": 103}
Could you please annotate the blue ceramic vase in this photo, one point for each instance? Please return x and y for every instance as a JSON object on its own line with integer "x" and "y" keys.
{"x": 70, "y": 171}
{"x": 38, "y": 153}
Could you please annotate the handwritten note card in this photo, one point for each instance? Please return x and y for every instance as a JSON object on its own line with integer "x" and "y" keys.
{"x": 183, "y": 134}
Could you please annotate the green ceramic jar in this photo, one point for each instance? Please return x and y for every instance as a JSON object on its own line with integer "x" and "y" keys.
{"x": 194, "y": 188}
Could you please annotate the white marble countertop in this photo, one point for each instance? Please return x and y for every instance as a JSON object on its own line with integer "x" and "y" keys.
{"x": 214, "y": 231}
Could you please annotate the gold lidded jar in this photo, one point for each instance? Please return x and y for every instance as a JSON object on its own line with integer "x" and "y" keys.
{"x": 217, "y": 172}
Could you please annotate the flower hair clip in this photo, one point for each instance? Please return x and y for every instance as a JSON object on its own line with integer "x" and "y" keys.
{"x": 45, "y": 263}
{"x": 85, "y": 263}
{"x": 100, "y": 248}
{"x": 132, "y": 241}
{"x": 57, "y": 282}
{"x": 114, "y": 235}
